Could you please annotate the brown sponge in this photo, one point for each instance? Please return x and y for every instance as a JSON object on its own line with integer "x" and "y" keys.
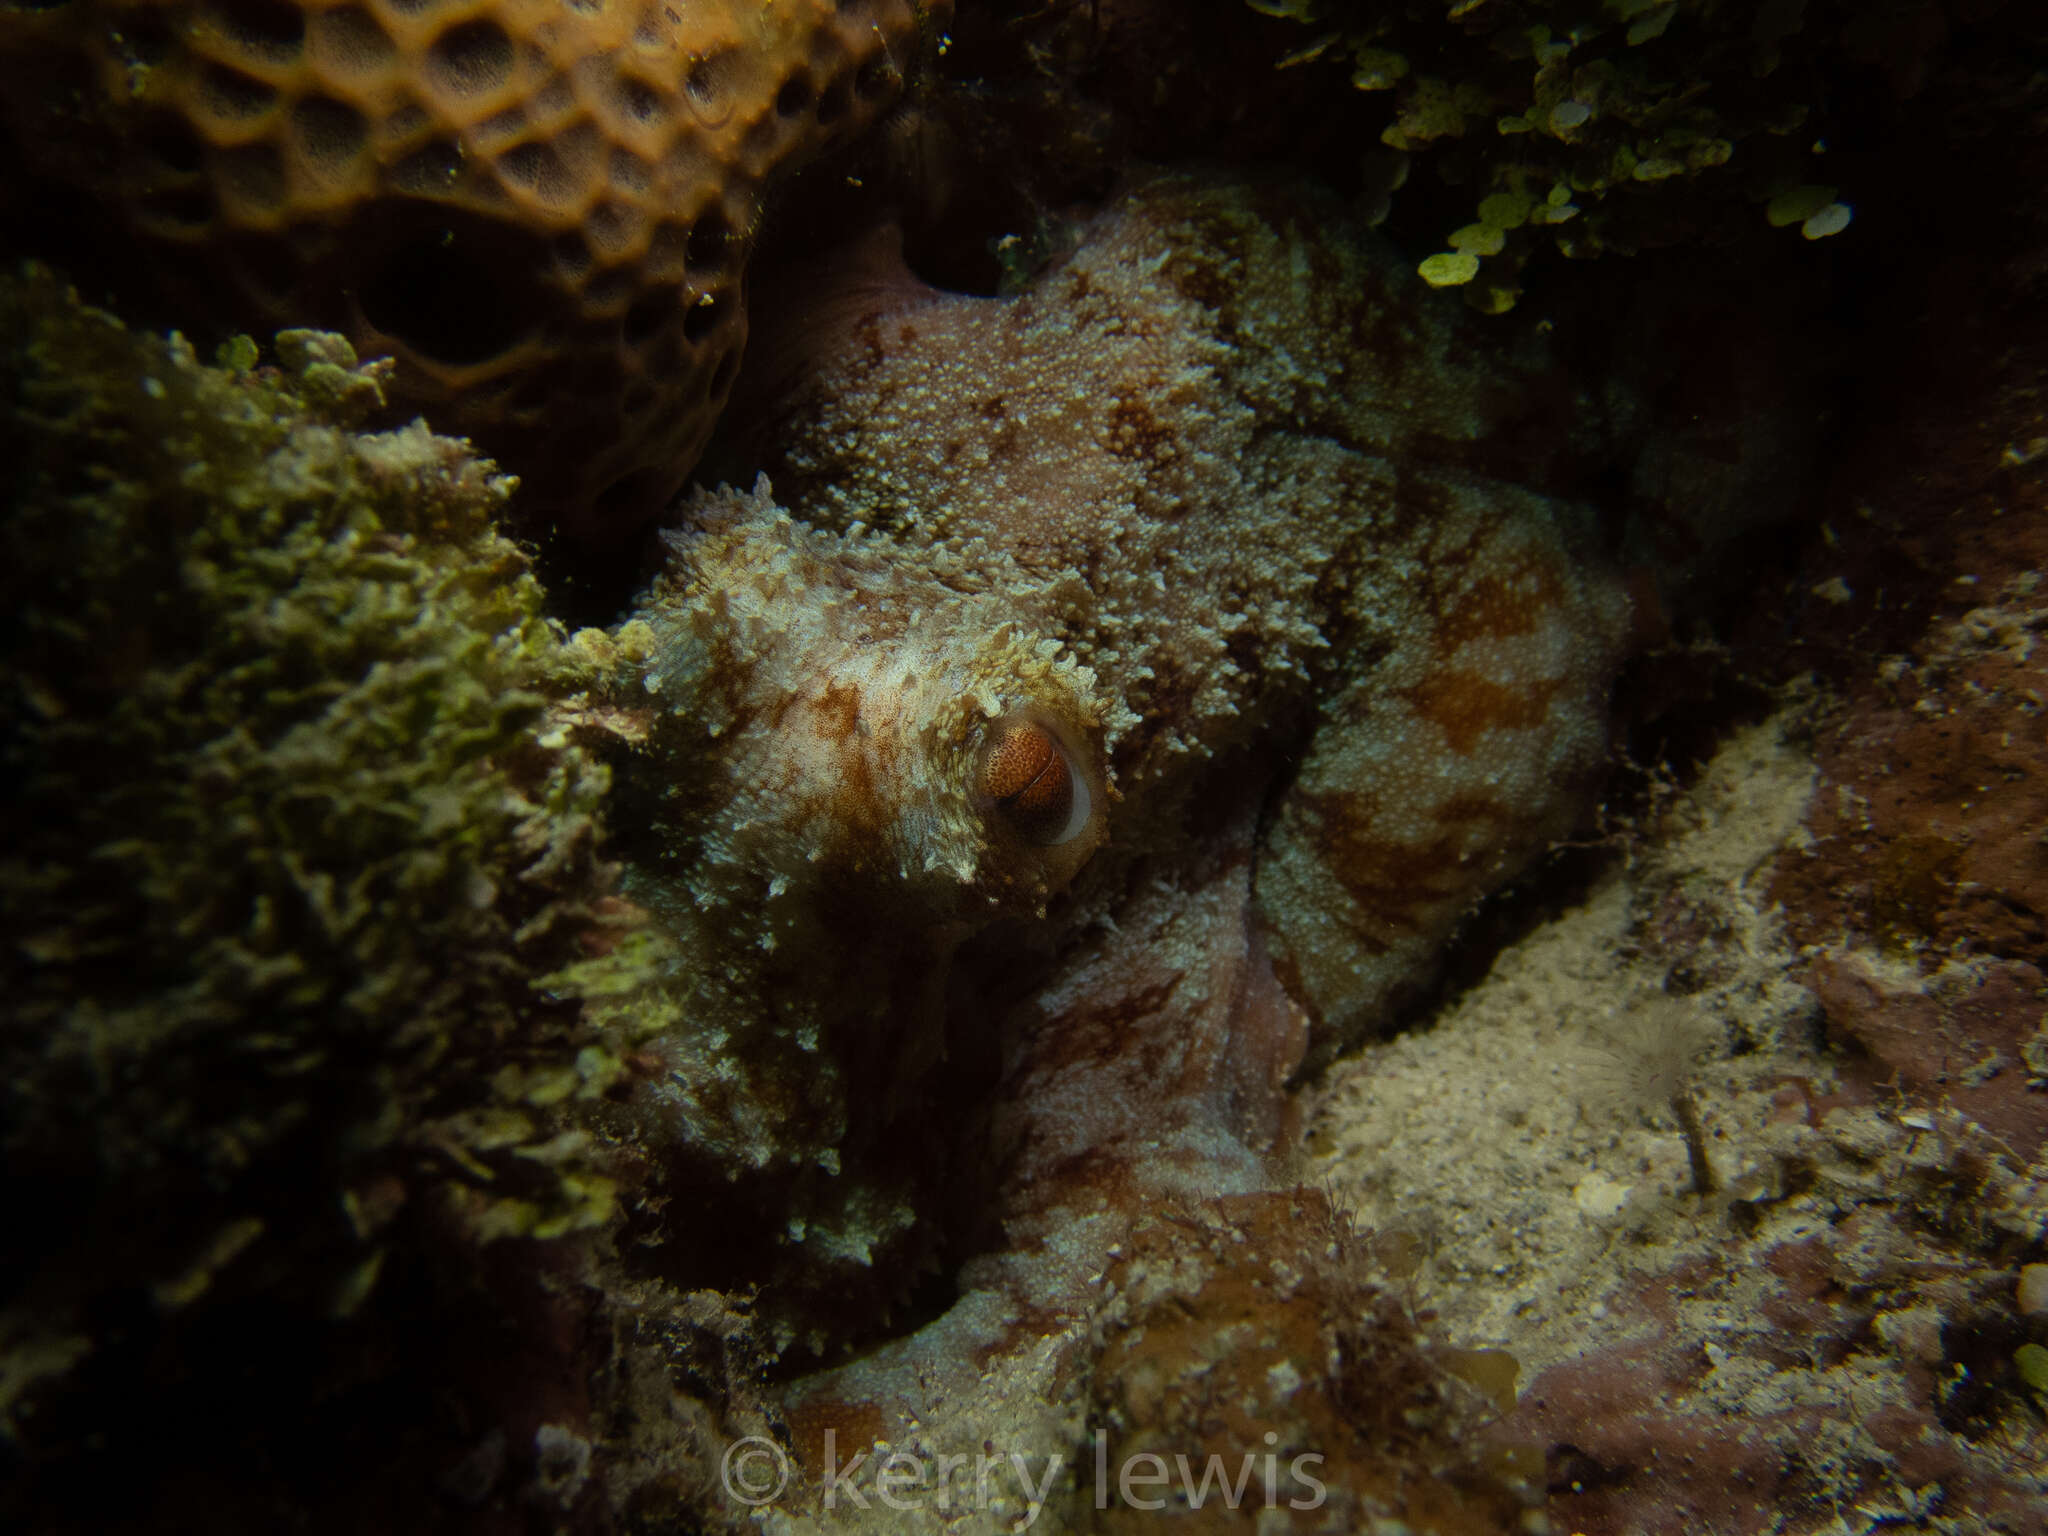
{"x": 541, "y": 208}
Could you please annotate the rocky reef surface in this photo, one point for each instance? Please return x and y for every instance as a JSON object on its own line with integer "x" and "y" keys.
{"x": 1193, "y": 883}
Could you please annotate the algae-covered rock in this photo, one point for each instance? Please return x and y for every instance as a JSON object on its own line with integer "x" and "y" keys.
{"x": 288, "y": 831}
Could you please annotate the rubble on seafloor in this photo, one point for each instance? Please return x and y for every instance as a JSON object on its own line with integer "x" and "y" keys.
{"x": 1814, "y": 1334}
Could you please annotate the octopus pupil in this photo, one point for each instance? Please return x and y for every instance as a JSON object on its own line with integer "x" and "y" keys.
{"x": 1027, "y": 775}
{"x": 1038, "y": 795}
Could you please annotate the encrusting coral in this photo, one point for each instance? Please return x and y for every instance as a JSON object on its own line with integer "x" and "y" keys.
{"x": 542, "y": 211}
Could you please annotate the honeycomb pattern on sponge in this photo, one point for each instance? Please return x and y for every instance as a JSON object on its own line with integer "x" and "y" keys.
{"x": 542, "y": 208}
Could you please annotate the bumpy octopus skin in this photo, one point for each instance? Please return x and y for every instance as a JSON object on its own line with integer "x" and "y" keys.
{"x": 1123, "y": 693}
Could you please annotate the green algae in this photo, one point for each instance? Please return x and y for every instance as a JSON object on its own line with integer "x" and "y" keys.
{"x": 290, "y": 828}
{"x": 1597, "y": 127}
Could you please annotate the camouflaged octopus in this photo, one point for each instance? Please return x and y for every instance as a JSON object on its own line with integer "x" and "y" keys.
{"x": 1122, "y": 694}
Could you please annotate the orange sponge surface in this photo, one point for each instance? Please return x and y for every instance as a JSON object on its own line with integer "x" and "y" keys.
{"x": 540, "y": 207}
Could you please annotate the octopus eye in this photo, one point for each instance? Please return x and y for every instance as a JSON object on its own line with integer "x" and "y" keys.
{"x": 1028, "y": 778}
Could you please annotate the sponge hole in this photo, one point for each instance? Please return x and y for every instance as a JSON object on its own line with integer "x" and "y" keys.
{"x": 432, "y": 170}
{"x": 645, "y": 319}
{"x": 231, "y": 96}
{"x": 836, "y": 102}
{"x": 794, "y": 96}
{"x": 876, "y": 78}
{"x": 144, "y": 38}
{"x": 538, "y": 167}
{"x": 330, "y": 133}
{"x": 640, "y": 102}
{"x": 710, "y": 243}
{"x": 472, "y": 58}
{"x": 668, "y": 250}
{"x": 252, "y": 174}
{"x": 180, "y": 209}
{"x": 349, "y": 39}
{"x": 174, "y": 146}
{"x": 704, "y": 317}
{"x": 265, "y": 29}
{"x": 708, "y": 87}
{"x": 440, "y": 296}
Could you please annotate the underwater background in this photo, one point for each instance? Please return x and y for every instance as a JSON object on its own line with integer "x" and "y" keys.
{"x": 1066, "y": 765}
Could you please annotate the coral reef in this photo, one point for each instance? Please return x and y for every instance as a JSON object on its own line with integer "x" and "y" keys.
{"x": 968, "y": 1103}
{"x": 543, "y": 212}
{"x": 288, "y": 843}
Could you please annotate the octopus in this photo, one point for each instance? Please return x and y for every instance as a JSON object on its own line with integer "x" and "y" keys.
{"x": 1105, "y": 707}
